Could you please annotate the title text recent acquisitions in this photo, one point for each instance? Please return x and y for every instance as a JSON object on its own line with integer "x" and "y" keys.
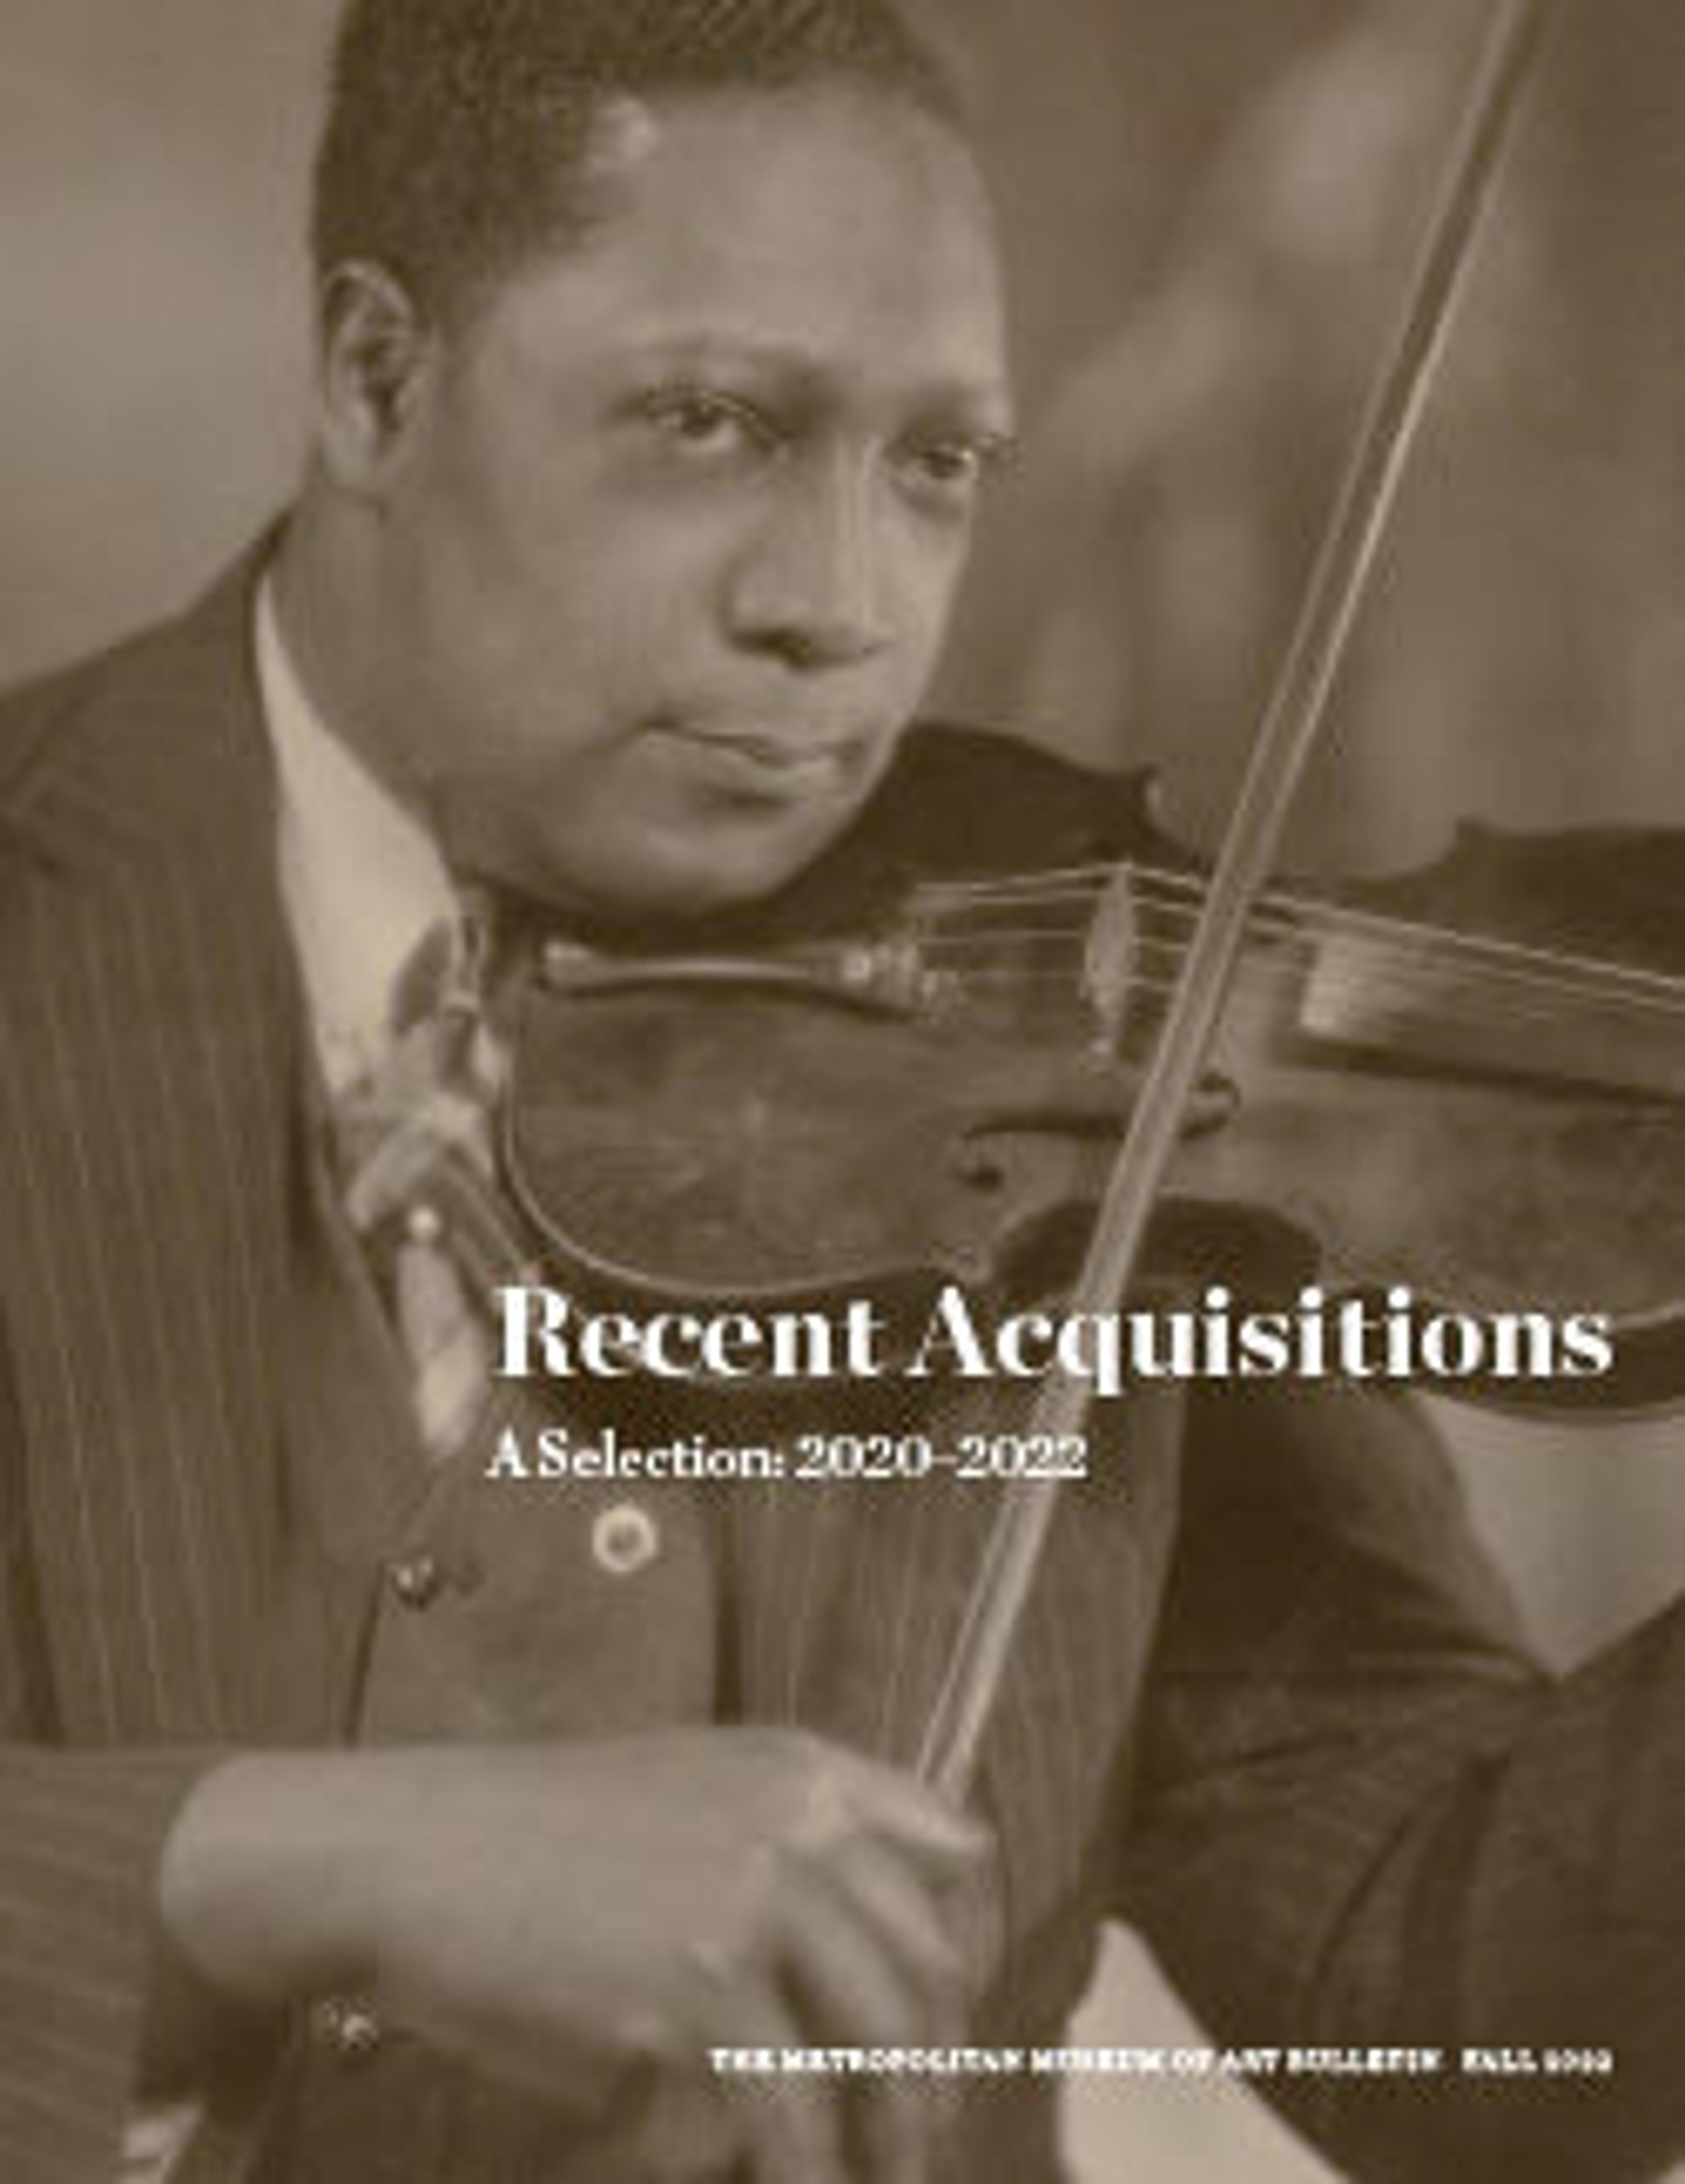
{"x": 544, "y": 1334}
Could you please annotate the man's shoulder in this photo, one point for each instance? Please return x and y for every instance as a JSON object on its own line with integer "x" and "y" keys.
{"x": 114, "y": 717}
{"x": 41, "y": 717}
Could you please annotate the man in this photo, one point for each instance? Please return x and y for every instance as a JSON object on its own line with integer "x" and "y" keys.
{"x": 389, "y": 1821}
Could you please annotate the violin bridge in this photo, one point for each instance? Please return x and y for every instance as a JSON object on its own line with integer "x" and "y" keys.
{"x": 1108, "y": 958}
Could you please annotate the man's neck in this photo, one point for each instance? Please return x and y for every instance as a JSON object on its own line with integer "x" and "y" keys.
{"x": 320, "y": 584}
{"x": 361, "y": 878}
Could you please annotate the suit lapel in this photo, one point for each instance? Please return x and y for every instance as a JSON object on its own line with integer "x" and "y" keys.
{"x": 146, "y": 1136}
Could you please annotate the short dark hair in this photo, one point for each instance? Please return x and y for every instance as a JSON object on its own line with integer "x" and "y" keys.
{"x": 458, "y": 129}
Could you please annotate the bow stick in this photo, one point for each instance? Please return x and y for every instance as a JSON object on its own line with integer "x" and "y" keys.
{"x": 1000, "y": 1592}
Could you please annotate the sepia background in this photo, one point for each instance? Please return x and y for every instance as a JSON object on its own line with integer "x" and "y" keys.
{"x": 1208, "y": 205}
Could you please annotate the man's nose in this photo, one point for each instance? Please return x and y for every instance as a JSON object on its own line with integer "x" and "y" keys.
{"x": 812, "y": 586}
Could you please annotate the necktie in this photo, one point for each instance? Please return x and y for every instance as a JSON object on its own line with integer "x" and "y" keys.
{"x": 415, "y": 1142}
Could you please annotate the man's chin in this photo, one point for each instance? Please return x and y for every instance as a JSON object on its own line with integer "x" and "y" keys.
{"x": 656, "y": 877}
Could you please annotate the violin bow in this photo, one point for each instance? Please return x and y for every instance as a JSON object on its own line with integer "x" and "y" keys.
{"x": 1000, "y": 1591}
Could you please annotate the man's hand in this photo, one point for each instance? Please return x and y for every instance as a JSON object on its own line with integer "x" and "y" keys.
{"x": 588, "y": 1920}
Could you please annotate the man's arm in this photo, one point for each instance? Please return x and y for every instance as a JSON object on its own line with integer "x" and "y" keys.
{"x": 1367, "y": 1820}
{"x": 584, "y": 1922}
{"x": 80, "y": 1837}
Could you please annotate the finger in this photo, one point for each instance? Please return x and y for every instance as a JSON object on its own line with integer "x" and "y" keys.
{"x": 908, "y": 1924}
{"x": 973, "y": 1915}
{"x": 686, "y": 2132}
{"x": 898, "y": 1807}
{"x": 921, "y": 1934}
{"x": 946, "y": 1926}
{"x": 850, "y": 1988}
{"x": 897, "y": 2122}
{"x": 788, "y": 2121}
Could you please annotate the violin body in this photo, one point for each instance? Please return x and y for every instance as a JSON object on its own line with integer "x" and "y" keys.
{"x": 921, "y": 1071}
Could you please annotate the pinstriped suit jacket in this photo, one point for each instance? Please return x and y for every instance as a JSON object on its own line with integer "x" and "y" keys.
{"x": 1270, "y": 1705}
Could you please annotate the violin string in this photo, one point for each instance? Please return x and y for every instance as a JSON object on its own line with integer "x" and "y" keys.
{"x": 1404, "y": 974}
{"x": 1257, "y": 980}
{"x": 1414, "y": 982}
{"x": 1424, "y": 951}
{"x": 1260, "y": 981}
{"x": 1081, "y": 884}
{"x": 1463, "y": 999}
{"x": 1251, "y": 998}
{"x": 1494, "y": 955}
{"x": 1418, "y": 966}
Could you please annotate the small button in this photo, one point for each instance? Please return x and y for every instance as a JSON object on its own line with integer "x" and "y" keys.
{"x": 625, "y": 1540}
{"x": 417, "y": 1581}
{"x": 423, "y": 1224}
{"x": 345, "y": 2029}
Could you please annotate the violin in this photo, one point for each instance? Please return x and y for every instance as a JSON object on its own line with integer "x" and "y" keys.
{"x": 926, "y": 1077}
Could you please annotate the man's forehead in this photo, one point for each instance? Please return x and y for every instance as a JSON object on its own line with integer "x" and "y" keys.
{"x": 803, "y": 231}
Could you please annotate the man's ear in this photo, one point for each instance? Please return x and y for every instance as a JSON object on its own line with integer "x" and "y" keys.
{"x": 377, "y": 353}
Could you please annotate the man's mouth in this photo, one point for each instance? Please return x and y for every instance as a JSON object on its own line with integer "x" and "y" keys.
{"x": 775, "y": 768}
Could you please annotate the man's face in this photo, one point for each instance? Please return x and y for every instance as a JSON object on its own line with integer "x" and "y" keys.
{"x": 669, "y": 554}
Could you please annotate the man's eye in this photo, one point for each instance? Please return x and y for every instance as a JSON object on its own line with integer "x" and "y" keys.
{"x": 954, "y": 469}
{"x": 705, "y": 424}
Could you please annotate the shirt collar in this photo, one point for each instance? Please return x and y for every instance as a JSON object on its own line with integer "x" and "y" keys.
{"x": 362, "y": 880}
